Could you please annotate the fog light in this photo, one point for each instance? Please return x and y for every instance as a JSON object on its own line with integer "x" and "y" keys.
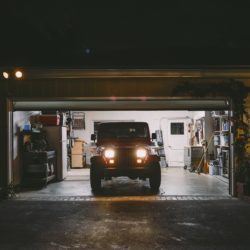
{"x": 139, "y": 161}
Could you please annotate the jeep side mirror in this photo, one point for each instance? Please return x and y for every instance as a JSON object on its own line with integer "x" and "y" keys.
{"x": 153, "y": 136}
{"x": 93, "y": 137}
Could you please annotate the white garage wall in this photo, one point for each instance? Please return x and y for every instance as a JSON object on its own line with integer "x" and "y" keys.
{"x": 156, "y": 120}
{"x": 198, "y": 114}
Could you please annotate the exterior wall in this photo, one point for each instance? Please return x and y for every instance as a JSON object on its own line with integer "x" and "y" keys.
{"x": 101, "y": 87}
{"x": 3, "y": 138}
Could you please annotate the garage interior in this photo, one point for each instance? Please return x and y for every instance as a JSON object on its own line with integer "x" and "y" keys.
{"x": 52, "y": 146}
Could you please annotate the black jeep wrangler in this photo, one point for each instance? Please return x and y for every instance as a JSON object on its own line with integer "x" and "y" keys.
{"x": 123, "y": 149}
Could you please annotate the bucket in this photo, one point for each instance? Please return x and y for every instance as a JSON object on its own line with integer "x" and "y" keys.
{"x": 216, "y": 140}
{"x": 213, "y": 169}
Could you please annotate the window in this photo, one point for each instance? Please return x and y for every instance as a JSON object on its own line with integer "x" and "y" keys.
{"x": 177, "y": 128}
{"x": 96, "y": 123}
{"x": 123, "y": 130}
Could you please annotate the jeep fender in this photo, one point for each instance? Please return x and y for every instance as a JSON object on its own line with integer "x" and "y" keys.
{"x": 96, "y": 160}
{"x": 153, "y": 158}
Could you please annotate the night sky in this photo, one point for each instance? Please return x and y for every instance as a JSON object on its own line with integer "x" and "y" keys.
{"x": 79, "y": 34}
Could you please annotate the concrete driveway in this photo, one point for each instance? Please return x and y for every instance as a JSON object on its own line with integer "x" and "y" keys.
{"x": 191, "y": 211}
{"x": 133, "y": 225}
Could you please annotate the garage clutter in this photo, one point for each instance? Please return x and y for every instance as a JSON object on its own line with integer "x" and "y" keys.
{"x": 55, "y": 143}
{"x": 39, "y": 159}
{"x": 48, "y": 149}
{"x": 209, "y": 144}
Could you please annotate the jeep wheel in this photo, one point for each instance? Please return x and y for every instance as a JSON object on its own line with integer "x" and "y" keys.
{"x": 95, "y": 179}
{"x": 155, "y": 177}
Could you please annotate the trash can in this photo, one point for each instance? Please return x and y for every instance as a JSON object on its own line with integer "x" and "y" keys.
{"x": 213, "y": 168}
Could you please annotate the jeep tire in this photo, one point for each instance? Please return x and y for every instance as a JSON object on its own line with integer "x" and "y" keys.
{"x": 155, "y": 177}
{"x": 95, "y": 178}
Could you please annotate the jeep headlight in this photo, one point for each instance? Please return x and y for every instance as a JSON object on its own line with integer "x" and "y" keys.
{"x": 109, "y": 153}
{"x": 141, "y": 153}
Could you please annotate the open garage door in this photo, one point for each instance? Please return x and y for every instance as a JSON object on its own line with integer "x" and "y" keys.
{"x": 141, "y": 103}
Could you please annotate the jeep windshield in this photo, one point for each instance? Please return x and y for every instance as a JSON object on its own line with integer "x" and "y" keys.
{"x": 123, "y": 130}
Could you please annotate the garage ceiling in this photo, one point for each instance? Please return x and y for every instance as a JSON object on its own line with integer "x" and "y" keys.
{"x": 122, "y": 104}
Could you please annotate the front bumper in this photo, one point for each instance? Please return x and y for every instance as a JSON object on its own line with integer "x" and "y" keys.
{"x": 130, "y": 172}
{"x": 134, "y": 170}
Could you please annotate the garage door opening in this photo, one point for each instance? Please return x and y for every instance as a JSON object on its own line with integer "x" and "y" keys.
{"x": 193, "y": 146}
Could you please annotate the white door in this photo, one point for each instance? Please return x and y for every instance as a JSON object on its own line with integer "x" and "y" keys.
{"x": 177, "y": 139}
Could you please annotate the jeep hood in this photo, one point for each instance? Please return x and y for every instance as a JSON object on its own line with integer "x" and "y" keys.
{"x": 124, "y": 142}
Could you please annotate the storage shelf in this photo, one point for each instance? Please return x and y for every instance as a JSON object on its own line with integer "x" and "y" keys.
{"x": 221, "y": 131}
{"x": 220, "y": 116}
{"x": 221, "y": 125}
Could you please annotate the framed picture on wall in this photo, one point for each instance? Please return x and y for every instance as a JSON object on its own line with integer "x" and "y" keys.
{"x": 78, "y": 120}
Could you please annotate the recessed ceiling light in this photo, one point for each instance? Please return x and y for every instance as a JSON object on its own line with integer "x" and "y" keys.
{"x": 18, "y": 74}
{"x": 5, "y": 75}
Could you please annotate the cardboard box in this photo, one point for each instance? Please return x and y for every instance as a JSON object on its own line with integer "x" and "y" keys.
{"x": 76, "y": 161}
{"x": 77, "y": 147}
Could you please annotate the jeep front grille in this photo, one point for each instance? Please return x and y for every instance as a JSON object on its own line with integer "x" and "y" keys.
{"x": 126, "y": 158}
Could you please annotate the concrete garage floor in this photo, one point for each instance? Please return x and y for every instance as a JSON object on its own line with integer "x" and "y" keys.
{"x": 176, "y": 182}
